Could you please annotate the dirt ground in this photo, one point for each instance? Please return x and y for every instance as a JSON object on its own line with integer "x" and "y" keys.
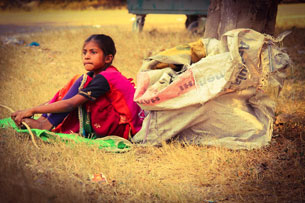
{"x": 11, "y": 22}
{"x": 25, "y": 21}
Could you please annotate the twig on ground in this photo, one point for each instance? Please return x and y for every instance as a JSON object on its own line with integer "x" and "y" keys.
{"x": 24, "y": 123}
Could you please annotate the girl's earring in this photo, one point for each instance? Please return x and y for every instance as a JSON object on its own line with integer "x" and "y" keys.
{"x": 109, "y": 58}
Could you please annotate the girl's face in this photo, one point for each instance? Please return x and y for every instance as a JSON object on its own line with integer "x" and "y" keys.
{"x": 94, "y": 58}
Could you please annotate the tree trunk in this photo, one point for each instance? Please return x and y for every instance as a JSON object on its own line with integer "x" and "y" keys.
{"x": 225, "y": 15}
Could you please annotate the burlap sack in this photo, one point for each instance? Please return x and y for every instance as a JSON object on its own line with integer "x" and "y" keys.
{"x": 216, "y": 100}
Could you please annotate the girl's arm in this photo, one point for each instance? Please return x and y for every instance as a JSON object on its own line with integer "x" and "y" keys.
{"x": 57, "y": 107}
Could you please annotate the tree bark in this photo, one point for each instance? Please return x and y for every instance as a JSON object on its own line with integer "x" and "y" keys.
{"x": 225, "y": 15}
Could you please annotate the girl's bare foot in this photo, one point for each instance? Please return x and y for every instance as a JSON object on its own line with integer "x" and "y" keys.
{"x": 42, "y": 124}
{"x": 41, "y": 118}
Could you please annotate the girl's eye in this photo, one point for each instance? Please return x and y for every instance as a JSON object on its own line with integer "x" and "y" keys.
{"x": 84, "y": 52}
{"x": 93, "y": 52}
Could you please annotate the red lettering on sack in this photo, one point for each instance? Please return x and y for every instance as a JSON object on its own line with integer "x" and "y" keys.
{"x": 149, "y": 101}
{"x": 186, "y": 85}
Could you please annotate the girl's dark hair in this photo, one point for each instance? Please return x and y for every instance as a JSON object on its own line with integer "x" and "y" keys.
{"x": 104, "y": 42}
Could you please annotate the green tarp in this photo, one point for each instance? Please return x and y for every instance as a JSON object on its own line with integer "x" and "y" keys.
{"x": 109, "y": 143}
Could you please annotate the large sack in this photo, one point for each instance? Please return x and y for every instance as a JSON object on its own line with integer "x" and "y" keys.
{"x": 212, "y": 92}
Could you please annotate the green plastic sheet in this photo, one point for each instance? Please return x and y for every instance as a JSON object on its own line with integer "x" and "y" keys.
{"x": 108, "y": 143}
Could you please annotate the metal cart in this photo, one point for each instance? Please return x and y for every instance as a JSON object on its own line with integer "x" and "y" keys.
{"x": 195, "y": 10}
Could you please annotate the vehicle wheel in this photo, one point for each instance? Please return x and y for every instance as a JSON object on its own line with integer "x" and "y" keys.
{"x": 138, "y": 24}
{"x": 197, "y": 26}
{"x": 190, "y": 19}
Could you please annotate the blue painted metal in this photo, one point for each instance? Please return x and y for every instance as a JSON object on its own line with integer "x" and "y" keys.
{"x": 187, "y": 7}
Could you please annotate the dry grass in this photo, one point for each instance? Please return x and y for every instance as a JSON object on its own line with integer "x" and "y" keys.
{"x": 173, "y": 173}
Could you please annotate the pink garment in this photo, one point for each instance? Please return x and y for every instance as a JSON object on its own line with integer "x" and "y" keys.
{"x": 115, "y": 113}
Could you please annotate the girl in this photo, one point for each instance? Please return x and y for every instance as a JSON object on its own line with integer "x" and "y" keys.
{"x": 98, "y": 103}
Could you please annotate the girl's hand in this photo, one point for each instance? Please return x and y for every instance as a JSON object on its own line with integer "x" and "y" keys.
{"x": 19, "y": 115}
